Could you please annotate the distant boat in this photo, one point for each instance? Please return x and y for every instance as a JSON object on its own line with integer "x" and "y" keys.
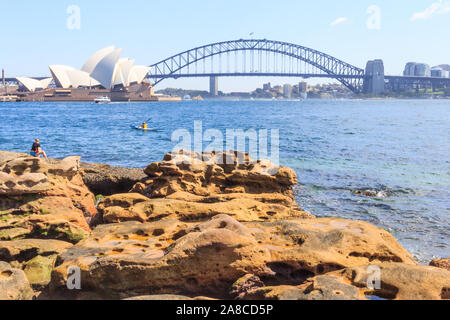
{"x": 102, "y": 100}
{"x": 187, "y": 98}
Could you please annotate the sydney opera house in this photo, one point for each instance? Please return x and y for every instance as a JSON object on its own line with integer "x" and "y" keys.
{"x": 103, "y": 74}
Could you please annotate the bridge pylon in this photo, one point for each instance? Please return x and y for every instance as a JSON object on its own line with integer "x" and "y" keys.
{"x": 214, "y": 86}
{"x": 374, "y": 82}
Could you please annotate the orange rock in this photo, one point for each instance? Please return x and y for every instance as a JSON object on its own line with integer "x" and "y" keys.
{"x": 401, "y": 281}
{"x": 172, "y": 257}
{"x": 197, "y": 187}
{"x": 48, "y": 198}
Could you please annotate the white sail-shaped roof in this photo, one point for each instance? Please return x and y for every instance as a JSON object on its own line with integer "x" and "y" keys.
{"x": 79, "y": 78}
{"x": 138, "y": 74}
{"x": 106, "y": 69}
{"x": 60, "y": 75}
{"x": 33, "y": 84}
{"x": 94, "y": 60}
{"x": 67, "y": 77}
{"x": 124, "y": 67}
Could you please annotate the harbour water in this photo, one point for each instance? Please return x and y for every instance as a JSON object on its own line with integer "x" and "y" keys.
{"x": 386, "y": 162}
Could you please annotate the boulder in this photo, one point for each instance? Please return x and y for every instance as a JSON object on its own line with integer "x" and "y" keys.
{"x": 401, "y": 281}
{"x": 43, "y": 199}
{"x": 14, "y": 284}
{"x": 441, "y": 263}
{"x": 25, "y": 250}
{"x": 173, "y": 257}
{"x": 164, "y": 257}
{"x": 323, "y": 287}
{"x": 244, "y": 285}
{"x": 36, "y": 257}
{"x": 196, "y": 187}
{"x": 303, "y": 248}
{"x": 39, "y": 270}
{"x": 106, "y": 180}
{"x": 135, "y": 207}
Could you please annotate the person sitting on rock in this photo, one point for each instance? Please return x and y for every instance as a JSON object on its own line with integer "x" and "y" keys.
{"x": 36, "y": 150}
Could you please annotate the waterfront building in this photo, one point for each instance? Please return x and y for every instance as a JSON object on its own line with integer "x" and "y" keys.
{"x": 32, "y": 84}
{"x": 303, "y": 87}
{"x": 414, "y": 69}
{"x": 422, "y": 70}
{"x": 287, "y": 91}
{"x": 105, "y": 69}
{"x": 410, "y": 69}
{"x": 439, "y": 72}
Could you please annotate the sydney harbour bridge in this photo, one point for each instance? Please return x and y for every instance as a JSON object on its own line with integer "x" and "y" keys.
{"x": 268, "y": 58}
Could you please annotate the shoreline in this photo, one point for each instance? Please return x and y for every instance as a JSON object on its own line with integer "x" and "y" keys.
{"x": 252, "y": 237}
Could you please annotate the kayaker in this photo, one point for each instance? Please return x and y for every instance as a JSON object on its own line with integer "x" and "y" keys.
{"x": 144, "y": 125}
{"x": 36, "y": 150}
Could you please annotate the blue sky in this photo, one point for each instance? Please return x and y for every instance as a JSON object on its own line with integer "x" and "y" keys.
{"x": 35, "y": 33}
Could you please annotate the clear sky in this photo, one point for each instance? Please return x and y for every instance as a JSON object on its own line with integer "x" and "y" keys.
{"x": 35, "y": 33}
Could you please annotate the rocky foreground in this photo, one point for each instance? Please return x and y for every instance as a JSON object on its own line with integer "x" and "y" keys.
{"x": 189, "y": 231}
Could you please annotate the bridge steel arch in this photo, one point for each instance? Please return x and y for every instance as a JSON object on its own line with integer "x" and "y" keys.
{"x": 350, "y": 76}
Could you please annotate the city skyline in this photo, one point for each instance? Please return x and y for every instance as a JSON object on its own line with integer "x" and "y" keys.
{"x": 152, "y": 31}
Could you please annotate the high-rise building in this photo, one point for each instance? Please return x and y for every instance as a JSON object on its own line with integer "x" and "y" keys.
{"x": 287, "y": 91}
{"x": 303, "y": 87}
{"x": 437, "y": 72}
{"x": 422, "y": 70}
{"x": 410, "y": 69}
{"x": 267, "y": 86}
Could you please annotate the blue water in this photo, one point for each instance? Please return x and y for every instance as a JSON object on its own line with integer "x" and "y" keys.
{"x": 399, "y": 147}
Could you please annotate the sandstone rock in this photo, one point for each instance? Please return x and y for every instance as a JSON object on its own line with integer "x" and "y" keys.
{"x": 119, "y": 208}
{"x": 323, "y": 287}
{"x": 39, "y": 270}
{"x": 402, "y": 282}
{"x": 27, "y": 183}
{"x": 58, "y": 206}
{"x": 282, "y": 293}
{"x": 244, "y": 285}
{"x": 14, "y": 284}
{"x": 197, "y": 187}
{"x": 11, "y": 233}
{"x": 164, "y": 257}
{"x": 441, "y": 263}
{"x": 25, "y": 250}
{"x": 302, "y": 248}
{"x": 36, "y": 257}
{"x": 106, "y": 180}
{"x": 171, "y": 257}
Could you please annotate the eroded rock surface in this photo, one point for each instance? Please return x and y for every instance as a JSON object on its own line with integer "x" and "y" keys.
{"x": 14, "y": 284}
{"x": 195, "y": 187}
{"x": 441, "y": 263}
{"x": 173, "y": 257}
{"x": 401, "y": 281}
{"x": 43, "y": 199}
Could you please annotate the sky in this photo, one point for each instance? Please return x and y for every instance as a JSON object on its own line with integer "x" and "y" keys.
{"x": 40, "y": 33}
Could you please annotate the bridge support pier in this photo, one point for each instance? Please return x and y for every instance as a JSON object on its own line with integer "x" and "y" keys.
{"x": 214, "y": 86}
{"x": 374, "y": 83}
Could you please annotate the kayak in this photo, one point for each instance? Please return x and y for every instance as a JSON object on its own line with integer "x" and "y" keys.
{"x": 142, "y": 129}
